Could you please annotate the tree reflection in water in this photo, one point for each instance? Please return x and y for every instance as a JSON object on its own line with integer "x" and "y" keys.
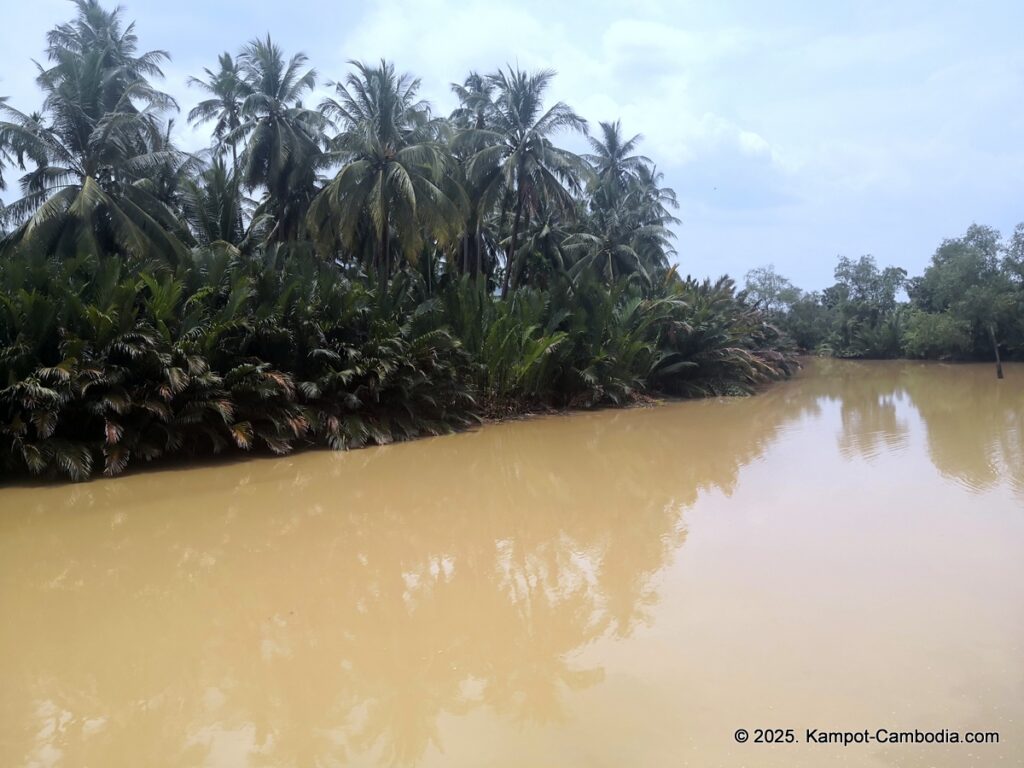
{"x": 973, "y": 422}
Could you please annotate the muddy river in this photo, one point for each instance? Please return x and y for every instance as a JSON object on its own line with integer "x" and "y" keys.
{"x": 842, "y": 553}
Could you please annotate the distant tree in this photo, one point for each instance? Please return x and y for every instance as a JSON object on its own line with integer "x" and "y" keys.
{"x": 863, "y": 304}
{"x": 966, "y": 280}
{"x": 1013, "y": 267}
{"x": 935, "y": 335}
{"x": 475, "y": 107}
{"x": 227, "y": 89}
{"x": 627, "y": 230}
{"x": 1013, "y": 258}
{"x": 808, "y": 321}
{"x": 213, "y": 205}
{"x": 869, "y": 286}
{"x": 770, "y": 290}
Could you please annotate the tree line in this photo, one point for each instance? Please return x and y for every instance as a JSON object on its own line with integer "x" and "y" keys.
{"x": 967, "y": 305}
{"x": 361, "y": 271}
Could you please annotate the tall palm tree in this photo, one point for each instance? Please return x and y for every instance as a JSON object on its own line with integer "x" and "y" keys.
{"x": 7, "y": 155}
{"x": 604, "y": 246}
{"x": 393, "y": 180}
{"x": 94, "y": 145}
{"x": 474, "y": 94}
{"x": 284, "y": 140}
{"x": 652, "y": 199}
{"x": 97, "y": 37}
{"x": 228, "y": 90}
{"x": 514, "y": 152}
{"x": 213, "y": 205}
{"x": 627, "y": 231}
{"x": 542, "y": 252}
{"x": 613, "y": 160}
{"x": 475, "y": 105}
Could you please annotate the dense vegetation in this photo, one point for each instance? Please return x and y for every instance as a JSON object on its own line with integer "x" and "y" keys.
{"x": 331, "y": 275}
{"x": 968, "y": 304}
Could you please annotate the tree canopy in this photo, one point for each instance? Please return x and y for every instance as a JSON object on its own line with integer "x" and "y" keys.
{"x": 968, "y": 304}
{"x": 328, "y": 274}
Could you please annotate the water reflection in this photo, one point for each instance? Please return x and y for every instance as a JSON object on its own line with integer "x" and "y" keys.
{"x": 871, "y": 406}
{"x": 973, "y": 423}
{"x": 329, "y": 609}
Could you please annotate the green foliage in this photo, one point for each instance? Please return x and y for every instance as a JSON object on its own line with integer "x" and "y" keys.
{"x": 392, "y": 179}
{"x": 511, "y": 156}
{"x": 935, "y": 335}
{"x": 770, "y": 290}
{"x": 968, "y": 303}
{"x": 858, "y": 316}
{"x": 723, "y": 346}
{"x": 968, "y": 281}
{"x": 105, "y": 365}
{"x": 156, "y": 303}
{"x": 487, "y": 191}
{"x": 91, "y": 155}
{"x": 808, "y": 322}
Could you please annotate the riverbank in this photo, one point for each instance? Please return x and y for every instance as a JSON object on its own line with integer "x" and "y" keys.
{"x": 489, "y": 416}
{"x": 110, "y": 366}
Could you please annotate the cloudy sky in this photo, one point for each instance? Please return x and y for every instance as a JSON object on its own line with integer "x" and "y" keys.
{"x": 792, "y": 131}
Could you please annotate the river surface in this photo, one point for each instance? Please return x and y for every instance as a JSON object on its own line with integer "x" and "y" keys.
{"x": 620, "y": 588}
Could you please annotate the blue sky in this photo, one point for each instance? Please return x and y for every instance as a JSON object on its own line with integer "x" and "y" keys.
{"x": 793, "y": 132}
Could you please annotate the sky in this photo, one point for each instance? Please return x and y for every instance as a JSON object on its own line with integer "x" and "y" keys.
{"x": 793, "y": 132}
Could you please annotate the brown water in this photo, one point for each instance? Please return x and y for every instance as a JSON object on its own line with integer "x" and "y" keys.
{"x": 623, "y": 588}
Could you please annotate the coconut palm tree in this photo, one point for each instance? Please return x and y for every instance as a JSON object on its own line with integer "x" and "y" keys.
{"x": 120, "y": 344}
{"x": 213, "y": 205}
{"x": 97, "y": 37}
{"x": 475, "y": 105}
{"x": 474, "y": 94}
{"x": 627, "y": 231}
{"x": 514, "y": 153}
{"x": 99, "y": 136}
{"x": 393, "y": 181}
{"x": 612, "y": 159}
{"x": 228, "y": 90}
{"x": 542, "y": 252}
{"x": 611, "y": 246}
{"x": 653, "y": 200}
{"x": 284, "y": 140}
{"x": 6, "y": 158}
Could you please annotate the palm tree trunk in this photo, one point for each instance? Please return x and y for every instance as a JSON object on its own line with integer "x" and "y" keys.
{"x": 479, "y": 252}
{"x": 380, "y": 256}
{"x": 428, "y": 269}
{"x": 995, "y": 346}
{"x": 510, "y": 257}
{"x": 520, "y": 265}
